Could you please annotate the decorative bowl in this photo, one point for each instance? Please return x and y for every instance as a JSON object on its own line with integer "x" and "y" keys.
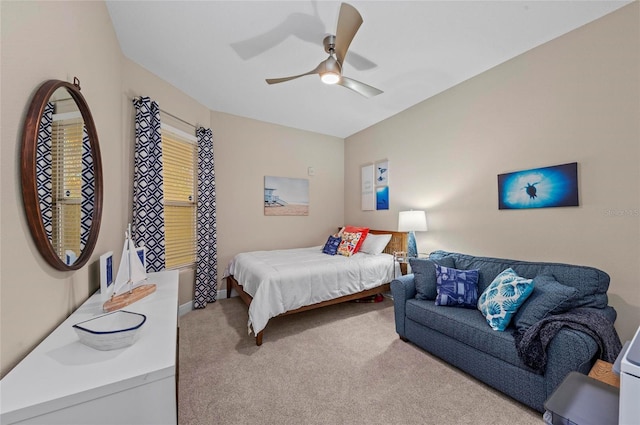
{"x": 110, "y": 331}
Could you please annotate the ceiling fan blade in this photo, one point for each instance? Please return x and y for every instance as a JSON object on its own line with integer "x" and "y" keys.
{"x": 303, "y": 26}
{"x": 359, "y": 62}
{"x": 293, "y": 77}
{"x": 358, "y": 87}
{"x": 349, "y": 22}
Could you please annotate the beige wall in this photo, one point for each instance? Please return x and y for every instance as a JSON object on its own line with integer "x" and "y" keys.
{"x": 41, "y": 41}
{"x": 246, "y": 151}
{"x": 576, "y": 98}
{"x": 34, "y": 297}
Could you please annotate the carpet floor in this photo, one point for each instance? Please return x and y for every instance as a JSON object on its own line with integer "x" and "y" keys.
{"x": 342, "y": 364}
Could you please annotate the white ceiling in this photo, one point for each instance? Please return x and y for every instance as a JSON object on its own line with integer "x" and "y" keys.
{"x": 421, "y": 48}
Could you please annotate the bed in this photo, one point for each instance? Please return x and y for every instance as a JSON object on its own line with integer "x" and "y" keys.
{"x": 282, "y": 282}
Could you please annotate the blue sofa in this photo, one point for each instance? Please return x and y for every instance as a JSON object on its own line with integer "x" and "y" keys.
{"x": 463, "y": 338}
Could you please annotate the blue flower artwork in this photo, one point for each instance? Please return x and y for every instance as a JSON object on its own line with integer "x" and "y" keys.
{"x": 555, "y": 186}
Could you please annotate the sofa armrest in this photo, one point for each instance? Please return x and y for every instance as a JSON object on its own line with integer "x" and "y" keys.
{"x": 608, "y": 312}
{"x": 402, "y": 289}
{"x": 570, "y": 350}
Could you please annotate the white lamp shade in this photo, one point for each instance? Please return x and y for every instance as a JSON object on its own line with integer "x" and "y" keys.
{"x": 412, "y": 221}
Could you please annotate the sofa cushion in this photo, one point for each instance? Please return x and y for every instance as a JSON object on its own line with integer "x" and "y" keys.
{"x": 424, "y": 272}
{"x": 457, "y": 288}
{"x": 591, "y": 283}
{"x": 502, "y": 298}
{"x": 467, "y": 326}
{"x": 548, "y": 297}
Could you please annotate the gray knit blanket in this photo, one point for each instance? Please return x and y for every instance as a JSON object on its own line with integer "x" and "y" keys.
{"x": 532, "y": 343}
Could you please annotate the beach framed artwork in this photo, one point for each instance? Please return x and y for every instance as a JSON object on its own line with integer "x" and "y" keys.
{"x": 286, "y": 196}
{"x": 546, "y": 187}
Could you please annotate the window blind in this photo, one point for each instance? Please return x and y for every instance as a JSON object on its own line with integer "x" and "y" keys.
{"x": 180, "y": 192}
{"x": 66, "y": 180}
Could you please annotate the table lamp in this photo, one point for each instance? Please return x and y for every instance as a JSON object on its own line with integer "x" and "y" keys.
{"x": 412, "y": 221}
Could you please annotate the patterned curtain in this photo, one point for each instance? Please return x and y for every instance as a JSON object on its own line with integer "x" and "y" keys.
{"x": 207, "y": 255}
{"x": 88, "y": 182}
{"x": 148, "y": 203}
{"x": 43, "y": 168}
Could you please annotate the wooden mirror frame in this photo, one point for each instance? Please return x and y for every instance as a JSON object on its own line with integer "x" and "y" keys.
{"x": 29, "y": 179}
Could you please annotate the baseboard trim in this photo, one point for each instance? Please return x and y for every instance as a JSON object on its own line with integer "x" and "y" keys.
{"x": 185, "y": 308}
{"x": 188, "y": 306}
{"x": 222, "y": 294}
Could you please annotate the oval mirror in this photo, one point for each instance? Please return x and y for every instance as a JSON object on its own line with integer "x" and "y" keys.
{"x": 61, "y": 175}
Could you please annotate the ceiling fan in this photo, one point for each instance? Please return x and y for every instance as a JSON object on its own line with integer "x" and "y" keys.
{"x": 330, "y": 69}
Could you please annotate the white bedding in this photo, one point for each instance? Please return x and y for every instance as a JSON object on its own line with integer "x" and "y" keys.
{"x": 283, "y": 280}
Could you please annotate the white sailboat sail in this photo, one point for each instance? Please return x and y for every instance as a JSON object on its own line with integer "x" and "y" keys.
{"x": 131, "y": 271}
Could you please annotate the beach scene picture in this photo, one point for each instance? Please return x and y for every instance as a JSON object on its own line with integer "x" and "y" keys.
{"x": 286, "y": 196}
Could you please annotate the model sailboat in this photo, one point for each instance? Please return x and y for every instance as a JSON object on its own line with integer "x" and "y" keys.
{"x": 130, "y": 285}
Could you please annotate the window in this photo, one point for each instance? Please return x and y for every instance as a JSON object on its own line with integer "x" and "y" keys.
{"x": 66, "y": 182}
{"x": 179, "y": 162}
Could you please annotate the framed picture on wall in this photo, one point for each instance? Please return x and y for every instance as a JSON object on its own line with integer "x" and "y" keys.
{"x": 382, "y": 173}
{"x": 286, "y": 196}
{"x": 106, "y": 272}
{"x": 382, "y": 198}
{"x": 367, "y": 185}
{"x": 546, "y": 187}
{"x": 142, "y": 255}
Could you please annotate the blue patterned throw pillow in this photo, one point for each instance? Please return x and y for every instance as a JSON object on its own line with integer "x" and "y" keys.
{"x": 331, "y": 247}
{"x": 502, "y": 298}
{"x": 458, "y": 288}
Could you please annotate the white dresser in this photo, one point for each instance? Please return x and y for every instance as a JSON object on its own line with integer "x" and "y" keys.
{"x": 630, "y": 383}
{"x": 65, "y": 382}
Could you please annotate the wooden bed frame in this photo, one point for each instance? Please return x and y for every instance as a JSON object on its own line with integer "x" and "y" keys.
{"x": 397, "y": 243}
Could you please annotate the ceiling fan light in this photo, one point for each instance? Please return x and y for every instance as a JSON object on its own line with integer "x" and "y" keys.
{"x": 330, "y": 77}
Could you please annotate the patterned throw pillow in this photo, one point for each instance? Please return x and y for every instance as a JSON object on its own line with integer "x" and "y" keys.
{"x": 458, "y": 288}
{"x": 364, "y": 231}
{"x": 352, "y": 238}
{"x": 503, "y": 297}
{"x": 331, "y": 247}
{"x": 350, "y": 241}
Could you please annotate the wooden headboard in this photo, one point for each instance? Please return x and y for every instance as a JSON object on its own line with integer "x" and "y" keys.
{"x": 398, "y": 242}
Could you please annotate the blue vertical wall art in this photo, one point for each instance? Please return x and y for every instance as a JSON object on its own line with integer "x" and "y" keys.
{"x": 382, "y": 198}
{"x": 382, "y": 184}
{"x": 555, "y": 186}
